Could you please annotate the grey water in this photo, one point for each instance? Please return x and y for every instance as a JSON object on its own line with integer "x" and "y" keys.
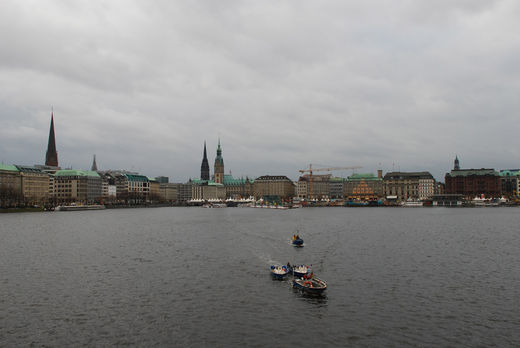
{"x": 200, "y": 277}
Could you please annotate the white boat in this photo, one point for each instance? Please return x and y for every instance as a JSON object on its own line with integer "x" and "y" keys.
{"x": 279, "y": 272}
{"x": 411, "y": 203}
{"x": 80, "y": 207}
{"x": 312, "y": 286}
{"x": 215, "y": 205}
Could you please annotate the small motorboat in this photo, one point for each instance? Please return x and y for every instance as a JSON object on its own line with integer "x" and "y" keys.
{"x": 297, "y": 241}
{"x": 313, "y": 286}
{"x": 299, "y": 271}
{"x": 279, "y": 272}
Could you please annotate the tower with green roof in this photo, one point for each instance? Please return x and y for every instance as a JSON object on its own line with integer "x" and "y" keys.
{"x": 219, "y": 165}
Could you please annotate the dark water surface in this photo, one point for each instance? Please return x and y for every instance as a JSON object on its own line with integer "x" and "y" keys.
{"x": 200, "y": 277}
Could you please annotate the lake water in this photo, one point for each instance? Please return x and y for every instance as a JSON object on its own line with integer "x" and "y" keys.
{"x": 200, "y": 277}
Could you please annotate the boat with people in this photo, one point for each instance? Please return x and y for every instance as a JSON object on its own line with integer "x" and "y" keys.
{"x": 279, "y": 272}
{"x": 312, "y": 285}
{"x": 299, "y": 270}
{"x": 297, "y": 241}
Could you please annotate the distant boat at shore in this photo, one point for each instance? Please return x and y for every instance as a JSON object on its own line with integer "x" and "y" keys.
{"x": 80, "y": 207}
{"x": 411, "y": 203}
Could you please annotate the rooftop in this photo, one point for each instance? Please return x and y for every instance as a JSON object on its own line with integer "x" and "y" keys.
{"x": 468, "y": 172}
{"x": 510, "y": 172}
{"x": 408, "y": 175}
{"x": 136, "y": 177}
{"x": 273, "y": 177}
{"x": 72, "y": 172}
{"x": 9, "y": 168}
{"x": 230, "y": 181}
{"x": 27, "y": 169}
{"x": 364, "y": 176}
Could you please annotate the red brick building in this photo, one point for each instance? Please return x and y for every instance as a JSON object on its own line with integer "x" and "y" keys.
{"x": 473, "y": 183}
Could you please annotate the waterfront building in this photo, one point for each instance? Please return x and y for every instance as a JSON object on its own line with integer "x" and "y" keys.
{"x": 107, "y": 181}
{"x": 184, "y": 192}
{"x": 219, "y": 166}
{"x": 302, "y": 188}
{"x": 238, "y": 188}
{"x": 169, "y": 191}
{"x": 154, "y": 189}
{"x": 363, "y": 187}
{"x": 208, "y": 191}
{"x": 471, "y": 183}
{"x": 77, "y": 186}
{"x": 204, "y": 167}
{"x": 320, "y": 186}
{"x": 51, "y": 156}
{"x": 510, "y": 182}
{"x": 34, "y": 184}
{"x": 10, "y": 186}
{"x": 426, "y": 188}
{"x": 337, "y": 187}
{"x": 407, "y": 185}
{"x": 133, "y": 187}
{"x": 10, "y": 177}
{"x": 273, "y": 186}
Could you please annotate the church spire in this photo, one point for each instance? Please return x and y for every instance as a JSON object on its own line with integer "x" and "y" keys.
{"x": 94, "y": 165}
{"x": 204, "y": 168}
{"x": 456, "y": 165}
{"x": 51, "y": 157}
{"x": 219, "y": 165}
{"x": 219, "y": 149}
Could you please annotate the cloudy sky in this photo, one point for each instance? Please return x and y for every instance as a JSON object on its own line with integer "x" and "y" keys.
{"x": 403, "y": 85}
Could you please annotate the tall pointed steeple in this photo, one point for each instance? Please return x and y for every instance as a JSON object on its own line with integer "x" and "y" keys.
{"x": 51, "y": 157}
{"x": 219, "y": 149}
{"x": 456, "y": 165}
{"x": 94, "y": 165}
{"x": 204, "y": 167}
{"x": 219, "y": 165}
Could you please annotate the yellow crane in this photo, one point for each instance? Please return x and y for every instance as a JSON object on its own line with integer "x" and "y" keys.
{"x": 310, "y": 170}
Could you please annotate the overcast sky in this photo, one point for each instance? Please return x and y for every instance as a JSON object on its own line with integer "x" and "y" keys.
{"x": 403, "y": 85}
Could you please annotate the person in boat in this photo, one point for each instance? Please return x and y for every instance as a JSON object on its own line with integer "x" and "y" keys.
{"x": 288, "y": 265}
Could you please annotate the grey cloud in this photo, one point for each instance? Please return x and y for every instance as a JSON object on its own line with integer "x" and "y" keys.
{"x": 283, "y": 83}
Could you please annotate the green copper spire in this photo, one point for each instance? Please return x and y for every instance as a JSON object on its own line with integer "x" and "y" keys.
{"x": 219, "y": 165}
{"x": 219, "y": 149}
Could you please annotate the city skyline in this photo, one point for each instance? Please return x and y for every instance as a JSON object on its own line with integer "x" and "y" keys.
{"x": 400, "y": 86}
{"x": 205, "y": 171}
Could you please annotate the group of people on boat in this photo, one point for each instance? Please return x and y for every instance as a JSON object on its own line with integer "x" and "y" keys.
{"x": 295, "y": 236}
{"x": 309, "y": 275}
{"x": 306, "y": 276}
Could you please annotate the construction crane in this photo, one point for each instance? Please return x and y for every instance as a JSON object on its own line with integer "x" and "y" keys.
{"x": 310, "y": 170}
